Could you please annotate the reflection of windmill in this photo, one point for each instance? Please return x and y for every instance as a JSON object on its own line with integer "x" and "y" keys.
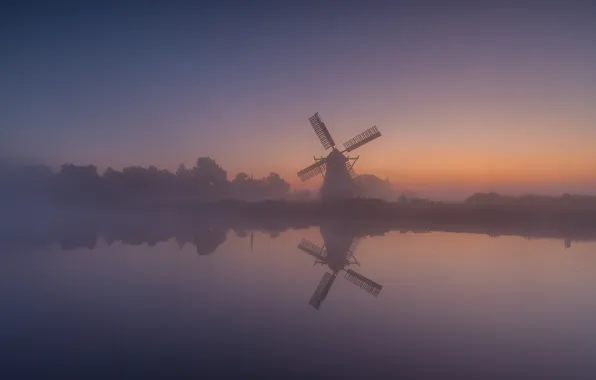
{"x": 338, "y": 255}
{"x": 337, "y": 169}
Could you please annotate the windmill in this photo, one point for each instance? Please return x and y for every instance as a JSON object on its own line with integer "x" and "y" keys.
{"x": 337, "y": 168}
{"x": 338, "y": 254}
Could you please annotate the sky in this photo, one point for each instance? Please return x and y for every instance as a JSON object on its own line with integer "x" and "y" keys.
{"x": 467, "y": 98}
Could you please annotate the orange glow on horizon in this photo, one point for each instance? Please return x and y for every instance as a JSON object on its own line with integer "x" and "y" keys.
{"x": 469, "y": 169}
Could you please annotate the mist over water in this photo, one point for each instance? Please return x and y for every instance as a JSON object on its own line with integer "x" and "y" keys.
{"x": 195, "y": 297}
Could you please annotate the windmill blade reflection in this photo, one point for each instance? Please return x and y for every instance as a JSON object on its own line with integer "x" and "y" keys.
{"x": 341, "y": 240}
{"x": 312, "y": 249}
{"x": 364, "y": 283}
{"x": 322, "y": 290}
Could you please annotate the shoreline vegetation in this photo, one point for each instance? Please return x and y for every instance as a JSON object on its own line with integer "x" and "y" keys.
{"x": 207, "y": 183}
{"x": 205, "y": 191}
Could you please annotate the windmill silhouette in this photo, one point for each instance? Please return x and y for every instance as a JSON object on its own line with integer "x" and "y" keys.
{"x": 337, "y": 168}
{"x": 338, "y": 254}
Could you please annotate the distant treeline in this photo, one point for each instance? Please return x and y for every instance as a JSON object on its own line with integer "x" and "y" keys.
{"x": 529, "y": 200}
{"x": 135, "y": 185}
{"x": 205, "y": 181}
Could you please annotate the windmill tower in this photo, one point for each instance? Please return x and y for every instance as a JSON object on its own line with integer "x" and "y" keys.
{"x": 337, "y": 168}
{"x": 338, "y": 254}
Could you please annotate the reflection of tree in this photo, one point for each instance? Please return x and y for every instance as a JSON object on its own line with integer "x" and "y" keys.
{"x": 205, "y": 234}
{"x": 208, "y": 239}
{"x": 240, "y": 232}
{"x": 208, "y": 230}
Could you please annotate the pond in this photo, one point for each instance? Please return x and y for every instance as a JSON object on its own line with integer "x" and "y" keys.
{"x": 314, "y": 302}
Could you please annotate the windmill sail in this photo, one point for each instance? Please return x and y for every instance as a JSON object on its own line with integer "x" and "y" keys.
{"x": 363, "y": 138}
{"x": 321, "y": 131}
{"x": 350, "y": 169}
{"x": 322, "y": 290}
{"x": 312, "y": 249}
{"x": 354, "y": 245}
{"x": 313, "y": 170}
{"x": 365, "y": 283}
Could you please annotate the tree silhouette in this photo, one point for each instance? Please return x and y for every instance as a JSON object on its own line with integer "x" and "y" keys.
{"x": 78, "y": 183}
{"x": 209, "y": 171}
{"x": 138, "y": 186}
{"x": 209, "y": 180}
{"x": 371, "y": 186}
{"x": 275, "y": 186}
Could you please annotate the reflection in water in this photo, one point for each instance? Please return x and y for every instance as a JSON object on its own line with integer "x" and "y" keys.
{"x": 453, "y": 305}
{"x": 207, "y": 233}
{"x": 337, "y": 254}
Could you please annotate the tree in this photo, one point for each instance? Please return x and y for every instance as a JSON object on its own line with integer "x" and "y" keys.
{"x": 209, "y": 179}
{"x": 275, "y": 186}
{"x": 183, "y": 172}
{"x": 302, "y": 195}
{"x": 78, "y": 183}
{"x": 371, "y": 186}
{"x": 242, "y": 186}
{"x": 241, "y": 178}
{"x": 209, "y": 171}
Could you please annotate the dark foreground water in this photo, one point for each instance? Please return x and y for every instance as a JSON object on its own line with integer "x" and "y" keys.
{"x": 252, "y": 306}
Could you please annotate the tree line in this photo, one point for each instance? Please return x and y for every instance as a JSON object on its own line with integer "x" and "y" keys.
{"x": 205, "y": 181}
{"x": 564, "y": 200}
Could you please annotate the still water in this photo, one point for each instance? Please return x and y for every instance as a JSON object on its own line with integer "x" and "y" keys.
{"x": 299, "y": 304}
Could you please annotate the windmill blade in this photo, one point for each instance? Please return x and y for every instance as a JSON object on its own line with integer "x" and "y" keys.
{"x": 350, "y": 169}
{"x": 321, "y": 131}
{"x": 365, "y": 283}
{"x": 363, "y": 138}
{"x": 354, "y": 245}
{"x": 312, "y": 249}
{"x": 322, "y": 290}
{"x": 313, "y": 170}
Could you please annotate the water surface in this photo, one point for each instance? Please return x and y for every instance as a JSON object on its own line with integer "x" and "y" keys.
{"x": 258, "y": 304}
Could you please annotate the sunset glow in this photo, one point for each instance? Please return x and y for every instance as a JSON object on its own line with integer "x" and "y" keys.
{"x": 471, "y": 99}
